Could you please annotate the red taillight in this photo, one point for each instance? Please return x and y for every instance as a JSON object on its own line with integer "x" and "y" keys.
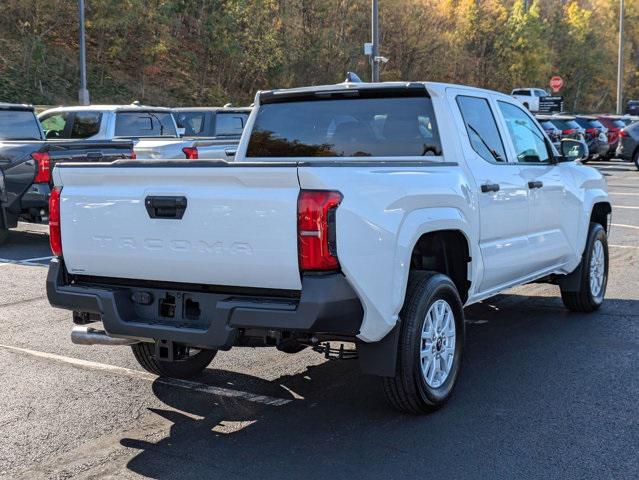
{"x": 569, "y": 132}
{"x": 43, "y": 172}
{"x": 134, "y": 155}
{"x": 191, "y": 153}
{"x": 316, "y": 229}
{"x": 55, "y": 234}
{"x": 623, "y": 133}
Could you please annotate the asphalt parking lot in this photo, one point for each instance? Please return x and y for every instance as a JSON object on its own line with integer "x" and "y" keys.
{"x": 543, "y": 394}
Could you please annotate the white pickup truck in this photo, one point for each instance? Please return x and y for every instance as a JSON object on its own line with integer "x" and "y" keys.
{"x": 152, "y": 129}
{"x": 370, "y": 213}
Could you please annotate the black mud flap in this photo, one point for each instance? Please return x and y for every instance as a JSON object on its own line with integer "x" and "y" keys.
{"x": 379, "y": 358}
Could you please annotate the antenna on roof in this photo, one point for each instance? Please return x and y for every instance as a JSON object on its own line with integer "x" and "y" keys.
{"x": 228, "y": 105}
{"x": 352, "y": 77}
{"x": 136, "y": 103}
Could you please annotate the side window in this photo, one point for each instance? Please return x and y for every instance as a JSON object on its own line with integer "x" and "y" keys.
{"x": 230, "y": 123}
{"x": 54, "y": 125}
{"x": 529, "y": 142}
{"x": 86, "y": 124}
{"x": 481, "y": 128}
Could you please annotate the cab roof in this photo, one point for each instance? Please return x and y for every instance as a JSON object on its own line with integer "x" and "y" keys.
{"x": 109, "y": 108}
{"x": 270, "y": 96}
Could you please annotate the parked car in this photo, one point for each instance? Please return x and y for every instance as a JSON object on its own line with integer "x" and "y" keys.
{"x": 614, "y": 126}
{"x": 553, "y": 132}
{"x": 632, "y": 107}
{"x": 538, "y": 100}
{"x": 152, "y": 129}
{"x": 628, "y": 145}
{"x": 628, "y": 119}
{"x": 26, "y": 160}
{"x": 216, "y": 131}
{"x": 596, "y": 136}
{"x": 347, "y": 215}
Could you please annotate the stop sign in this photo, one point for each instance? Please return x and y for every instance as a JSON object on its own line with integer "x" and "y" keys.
{"x": 556, "y": 83}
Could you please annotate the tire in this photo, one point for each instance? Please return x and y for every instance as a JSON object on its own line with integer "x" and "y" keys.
{"x": 417, "y": 387}
{"x": 590, "y": 295}
{"x": 187, "y": 368}
{"x": 635, "y": 159}
{"x": 4, "y": 235}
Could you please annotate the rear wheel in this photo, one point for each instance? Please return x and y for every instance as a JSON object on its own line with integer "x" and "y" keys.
{"x": 635, "y": 159}
{"x": 190, "y": 361}
{"x": 430, "y": 345}
{"x": 594, "y": 274}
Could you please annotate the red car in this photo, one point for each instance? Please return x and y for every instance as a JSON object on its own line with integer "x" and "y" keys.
{"x": 614, "y": 126}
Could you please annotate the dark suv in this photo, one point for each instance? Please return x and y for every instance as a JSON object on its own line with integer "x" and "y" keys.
{"x": 632, "y": 107}
{"x": 596, "y": 136}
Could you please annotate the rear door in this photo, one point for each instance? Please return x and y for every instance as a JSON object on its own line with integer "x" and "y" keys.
{"x": 503, "y": 193}
{"x": 195, "y": 223}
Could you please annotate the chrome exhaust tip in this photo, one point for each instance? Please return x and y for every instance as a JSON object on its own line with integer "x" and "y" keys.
{"x": 83, "y": 335}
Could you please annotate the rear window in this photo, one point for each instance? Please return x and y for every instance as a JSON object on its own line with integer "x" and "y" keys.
{"x": 230, "y": 123}
{"x": 547, "y": 125}
{"x": 525, "y": 93}
{"x": 193, "y": 123}
{"x": 566, "y": 124}
{"x": 144, "y": 124}
{"x": 19, "y": 125}
{"x": 86, "y": 124}
{"x": 362, "y": 127}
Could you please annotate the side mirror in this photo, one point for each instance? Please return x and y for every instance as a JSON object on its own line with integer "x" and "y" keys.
{"x": 572, "y": 150}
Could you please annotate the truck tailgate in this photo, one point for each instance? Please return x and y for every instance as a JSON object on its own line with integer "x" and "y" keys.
{"x": 238, "y": 227}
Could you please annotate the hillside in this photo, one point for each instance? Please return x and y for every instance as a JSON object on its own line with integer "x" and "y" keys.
{"x": 210, "y": 52}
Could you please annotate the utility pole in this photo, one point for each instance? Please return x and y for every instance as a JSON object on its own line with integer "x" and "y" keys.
{"x": 620, "y": 63}
{"x": 83, "y": 94}
{"x": 375, "y": 40}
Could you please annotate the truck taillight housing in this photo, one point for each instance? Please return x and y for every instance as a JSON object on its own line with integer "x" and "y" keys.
{"x": 191, "y": 153}
{"x": 55, "y": 234}
{"x": 43, "y": 167}
{"x": 623, "y": 133}
{"x": 316, "y": 233}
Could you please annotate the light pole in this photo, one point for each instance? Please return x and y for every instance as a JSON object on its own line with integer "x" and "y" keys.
{"x": 83, "y": 94}
{"x": 375, "y": 41}
{"x": 620, "y": 62}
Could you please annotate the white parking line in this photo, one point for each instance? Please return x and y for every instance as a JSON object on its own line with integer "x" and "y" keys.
{"x": 621, "y": 225}
{"x": 29, "y": 261}
{"x": 624, "y": 206}
{"x": 624, "y": 246}
{"x": 624, "y": 193}
{"x": 186, "y": 384}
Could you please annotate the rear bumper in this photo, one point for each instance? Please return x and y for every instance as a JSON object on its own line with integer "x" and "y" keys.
{"x": 327, "y": 305}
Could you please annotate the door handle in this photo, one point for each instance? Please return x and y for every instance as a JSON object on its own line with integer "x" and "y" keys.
{"x": 490, "y": 187}
{"x": 535, "y": 184}
{"x": 166, "y": 207}
{"x": 230, "y": 152}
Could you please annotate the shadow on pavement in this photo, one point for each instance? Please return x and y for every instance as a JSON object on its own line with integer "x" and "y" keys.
{"x": 542, "y": 392}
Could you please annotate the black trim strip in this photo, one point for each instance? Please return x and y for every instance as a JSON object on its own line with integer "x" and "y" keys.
{"x": 413, "y": 89}
{"x": 84, "y": 280}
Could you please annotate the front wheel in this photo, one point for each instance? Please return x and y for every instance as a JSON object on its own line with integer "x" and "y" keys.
{"x": 594, "y": 274}
{"x": 430, "y": 345}
{"x": 190, "y": 361}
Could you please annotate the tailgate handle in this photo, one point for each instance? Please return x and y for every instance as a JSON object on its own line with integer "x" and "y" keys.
{"x": 166, "y": 207}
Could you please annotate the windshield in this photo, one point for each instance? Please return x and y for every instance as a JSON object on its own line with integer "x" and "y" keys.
{"x": 19, "y": 125}
{"x": 144, "y": 124}
{"x": 361, "y": 127}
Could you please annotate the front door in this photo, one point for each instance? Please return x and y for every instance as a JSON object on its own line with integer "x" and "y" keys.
{"x": 548, "y": 235}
